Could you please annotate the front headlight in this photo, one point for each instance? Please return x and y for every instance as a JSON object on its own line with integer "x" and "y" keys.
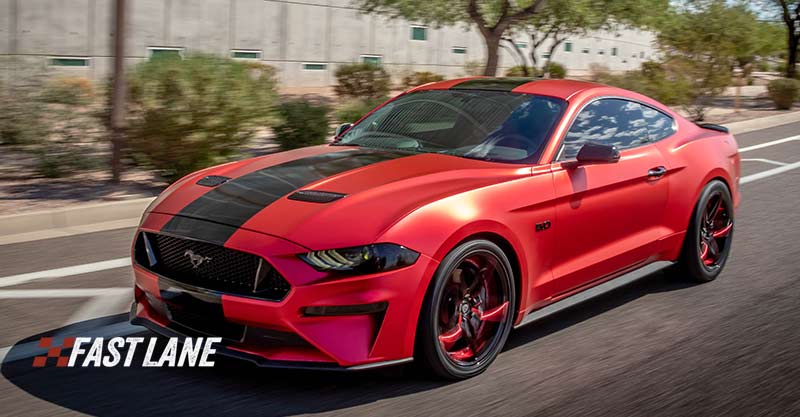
{"x": 362, "y": 259}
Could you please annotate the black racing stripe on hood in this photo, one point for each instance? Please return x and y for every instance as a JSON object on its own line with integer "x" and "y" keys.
{"x": 492, "y": 84}
{"x": 233, "y": 203}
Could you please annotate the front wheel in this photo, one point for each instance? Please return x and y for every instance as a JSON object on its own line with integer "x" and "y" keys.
{"x": 468, "y": 311}
{"x": 710, "y": 234}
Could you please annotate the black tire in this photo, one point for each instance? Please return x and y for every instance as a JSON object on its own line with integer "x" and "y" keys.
{"x": 442, "y": 294}
{"x": 692, "y": 264}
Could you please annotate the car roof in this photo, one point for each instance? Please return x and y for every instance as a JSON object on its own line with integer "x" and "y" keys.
{"x": 563, "y": 89}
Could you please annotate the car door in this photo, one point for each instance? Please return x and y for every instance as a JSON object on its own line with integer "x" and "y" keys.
{"x": 608, "y": 215}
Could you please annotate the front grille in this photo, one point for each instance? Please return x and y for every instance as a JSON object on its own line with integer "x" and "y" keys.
{"x": 209, "y": 266}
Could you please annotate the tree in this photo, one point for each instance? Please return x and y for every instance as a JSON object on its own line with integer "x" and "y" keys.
{"x": 789, "y": 12}
{"x": 493, "y": 18}
{"x": 561, "y": 19}
{"x": 702, "y": 43}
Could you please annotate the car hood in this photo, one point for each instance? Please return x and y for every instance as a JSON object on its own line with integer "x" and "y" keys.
{"x": 348, "y": 196}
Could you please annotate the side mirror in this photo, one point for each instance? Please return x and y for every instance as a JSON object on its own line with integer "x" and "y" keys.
{"x": 593, "y": 152}
{"x": 342, "y": 128}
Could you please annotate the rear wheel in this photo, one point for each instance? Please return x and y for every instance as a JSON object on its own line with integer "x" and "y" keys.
{"x": 708, "y": 240}
{"x": 468, "y": 311}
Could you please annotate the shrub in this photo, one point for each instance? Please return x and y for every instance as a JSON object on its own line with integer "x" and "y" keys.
{"x": 353, "y": 110}
{"x": 303, "y": 124}
{"x": 598, "y": 71}
{"x": 653, "y": 80}
{"x": 763, "y": 66}
{"x": 362, "y": 81}
{"x": 519, "y": 71}
{"x": 192, "y": 113}
{"x": 73, "y": 144}
{"x": 22, "y": 111}
{"x": 69, "y": 90}
{"x": 784, "y": 92}
{"x": 556, "y": 70}
{"x": 473, "y": 68}
{"x": 419, "y": 78}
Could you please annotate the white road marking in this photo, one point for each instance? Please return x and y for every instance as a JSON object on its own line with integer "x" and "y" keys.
{"x": 64, "y": 272}
{"x": 101, "y": 306}
{"x": 768, "y": 144}
{"x": 64, "y": 293}
{"x": 764, "y": 160}
{"x": 769, "y": 173}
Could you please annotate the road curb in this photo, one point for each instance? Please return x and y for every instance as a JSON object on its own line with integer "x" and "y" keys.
{"x": 67, "y": 221}
{"x": 745, "y": 126}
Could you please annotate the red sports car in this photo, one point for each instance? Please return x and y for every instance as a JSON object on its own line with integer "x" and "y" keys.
{"x": 435, "y": 224}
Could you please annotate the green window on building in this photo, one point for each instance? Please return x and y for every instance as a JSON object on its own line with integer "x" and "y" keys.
{"x": 419, "y": 33}
{"x": 521, "y": 45}
{"x": 545, "y": 55}
{"x": 613, "y": 51}
{"x": 166, "y": 53}
{"x": 315, "y": 67}
{"x": 568, "y": 47}
{"x": 459, "y": 50}
{"x": 69, "y": 62}
{"x": 372, "y": 60}
{"x": 246, "y": 54}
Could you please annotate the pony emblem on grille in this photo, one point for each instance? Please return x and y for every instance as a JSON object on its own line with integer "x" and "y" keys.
{"x": 196, "y": 259}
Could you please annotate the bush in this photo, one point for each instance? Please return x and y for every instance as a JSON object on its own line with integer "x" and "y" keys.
{"x": 353, "y": 110}
{"x": 763, "y": 66}
{"x": 598, "y": 71}
{"x": 192, "y": 113}
{"x": 69, "y": 90}
{"x": 556, "y": 70}
{"x": 74, "y": 143}
{"x": 473, "y": 68}
{"x": 22, "y": 111}
{"x": 784, "y": 92}
{"x": 303, "y": 124}
{"x": 419, "y": 78}
{"x": 362, "y": 81}
{"x": 653, "y": 80}
{"x": 519, "y": 71}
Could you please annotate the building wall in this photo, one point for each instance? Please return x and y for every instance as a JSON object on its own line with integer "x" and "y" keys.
{"x": 286, "y": 34}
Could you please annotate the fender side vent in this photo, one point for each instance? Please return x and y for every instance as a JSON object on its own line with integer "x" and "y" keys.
{"x": 212, "y": 180}
{"x": 313, "y": 196}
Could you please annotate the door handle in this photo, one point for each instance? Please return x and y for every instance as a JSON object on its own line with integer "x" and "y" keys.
{"x": 657, "y": 172}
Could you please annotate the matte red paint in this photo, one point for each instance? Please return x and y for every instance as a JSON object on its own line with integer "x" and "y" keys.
{"x": 605, "y": 218}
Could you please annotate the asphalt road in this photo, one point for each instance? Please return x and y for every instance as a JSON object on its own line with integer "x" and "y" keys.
{"x": 658, "y": 347}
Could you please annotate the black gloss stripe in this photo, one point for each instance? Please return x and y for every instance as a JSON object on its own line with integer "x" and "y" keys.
{"x": 492, "y": 84}
{"x": 228, "y": 206}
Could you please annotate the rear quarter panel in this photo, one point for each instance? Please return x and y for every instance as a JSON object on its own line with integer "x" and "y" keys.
{"x": 695, "y": 157}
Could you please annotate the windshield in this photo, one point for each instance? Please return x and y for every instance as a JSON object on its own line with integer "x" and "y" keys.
{"x": 489, "y": 125}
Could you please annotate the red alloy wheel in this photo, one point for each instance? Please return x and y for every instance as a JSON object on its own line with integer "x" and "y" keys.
{"x": 473, "y": 308}
{"x": 715, "y": 229}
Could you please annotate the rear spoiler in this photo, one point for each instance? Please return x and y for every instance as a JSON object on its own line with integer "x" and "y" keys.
{"x": 711, "y": 126}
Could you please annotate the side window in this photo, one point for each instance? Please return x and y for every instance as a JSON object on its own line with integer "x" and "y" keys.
{"x": 610, "y": 121}
{"x": 658, "y": 124}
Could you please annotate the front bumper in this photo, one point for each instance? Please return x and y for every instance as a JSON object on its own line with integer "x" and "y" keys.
{"x": 261, "y": 361}
{"x": 278, "y": 334}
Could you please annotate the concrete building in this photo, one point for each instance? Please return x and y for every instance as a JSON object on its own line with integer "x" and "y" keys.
{"x": 305, "y": 40}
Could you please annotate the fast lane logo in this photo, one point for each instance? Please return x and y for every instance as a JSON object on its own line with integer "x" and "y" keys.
{"x": 98, "y": 352}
